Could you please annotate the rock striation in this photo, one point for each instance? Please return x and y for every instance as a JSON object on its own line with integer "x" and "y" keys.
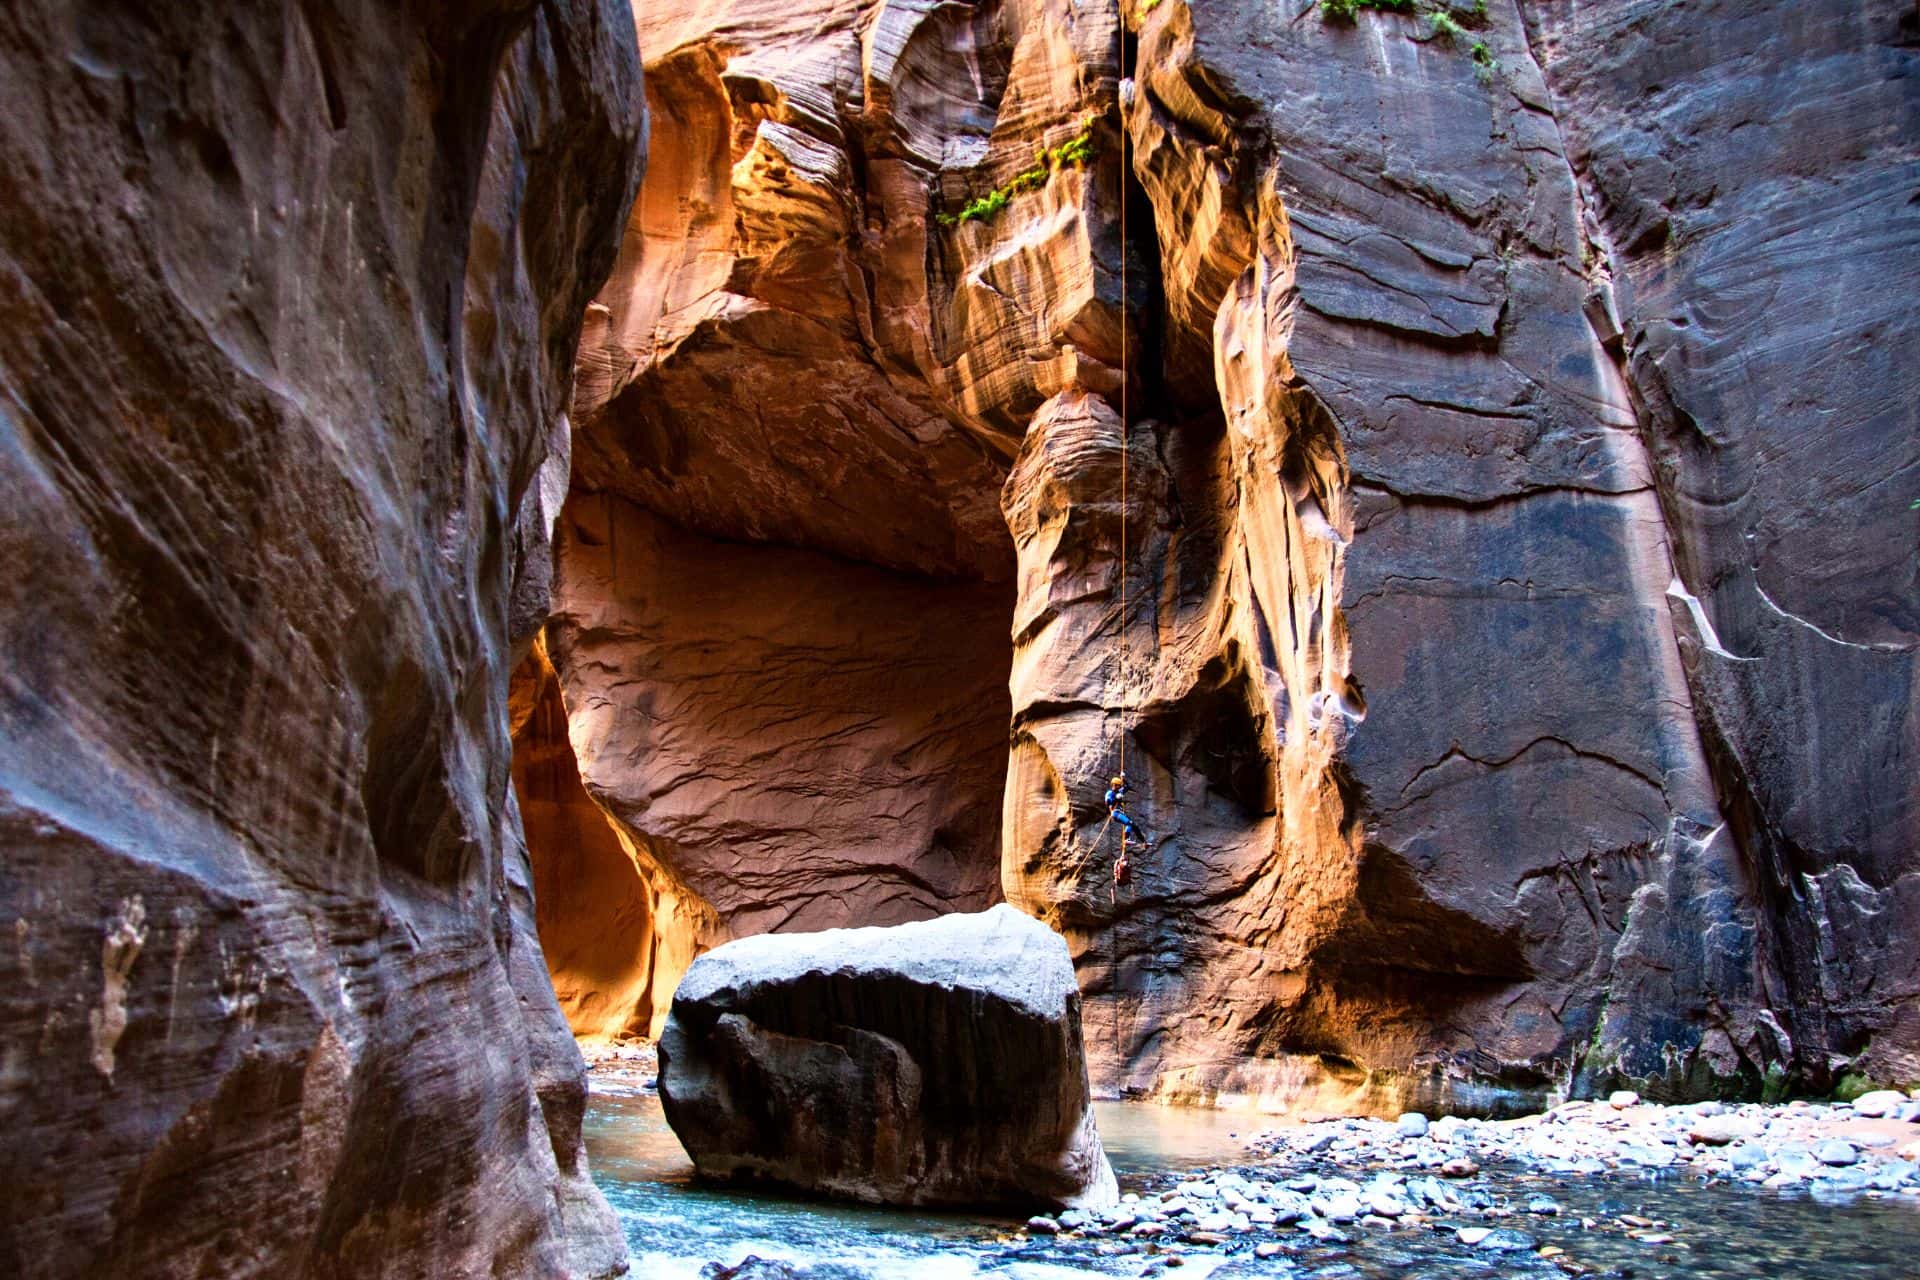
{"x": 931, "y": 1063}
{"x": 1516, "y": 656}
{"x": 291, "y": 299}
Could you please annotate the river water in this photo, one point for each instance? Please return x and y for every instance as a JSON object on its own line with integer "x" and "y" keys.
{"x": 676, "y": 1226}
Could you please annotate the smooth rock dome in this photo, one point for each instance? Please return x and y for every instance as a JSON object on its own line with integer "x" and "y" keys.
{"x": 931, "y": 1063}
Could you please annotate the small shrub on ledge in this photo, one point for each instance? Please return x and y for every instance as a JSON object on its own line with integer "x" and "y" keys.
{"x": 1447, "y": 22}
{"x": 1047, "y": 161}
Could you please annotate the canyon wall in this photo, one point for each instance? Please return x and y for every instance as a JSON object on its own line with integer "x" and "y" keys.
{"x": 783, "y": 581}
{"x": 1507, "y": 619}
{"x": 291, "y": 297}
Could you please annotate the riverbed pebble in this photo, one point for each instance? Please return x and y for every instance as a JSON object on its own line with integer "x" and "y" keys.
{"x": 1719, "y": 1130}
{"x": 1834, "y": 1151}
{"x": 1335, "y": 1181}
{"x": 1878, "y": 1103}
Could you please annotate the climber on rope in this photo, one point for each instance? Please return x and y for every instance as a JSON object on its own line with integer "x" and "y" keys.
{"x": 1130, "y": 831}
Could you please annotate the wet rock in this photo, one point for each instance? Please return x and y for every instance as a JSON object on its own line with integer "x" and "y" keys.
{"x": 1386, "y": 1204}
{"x": 1835, "y": 1151}
{"x": 930, "y": 1063}
{"x": 1542, "y": 1204}
{"x": 1893, "y": 1173}
{"x": 1412, "y": 1125}
{"x": 1343, "y": 1206}
{"x": 1507, "y": 1240}
{"x": 1880, "y": 1102}
{"x": 1798, "y": 1162}
{"x": 1848, "y": 1179}
{"x": 754, "y": 1267}
{"x": 1041, "y": 1224}
{"x": 1289, "y": 1206}
{"x": 1647, "y": 1156}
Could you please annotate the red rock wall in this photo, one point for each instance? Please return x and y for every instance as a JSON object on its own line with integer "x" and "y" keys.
{"x": 779, "y": 739}
{"x": 291, "y": 294}
{"x": 784, "y": 586}
{"x": 1516, "y": 659}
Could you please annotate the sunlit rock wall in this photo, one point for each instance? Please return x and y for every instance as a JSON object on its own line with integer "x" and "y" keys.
{"x": 784, "y": 582}
{"x": 1516, "y": 657}
{"x": 291, "y": 299}
{"x": 1512, "y": 423}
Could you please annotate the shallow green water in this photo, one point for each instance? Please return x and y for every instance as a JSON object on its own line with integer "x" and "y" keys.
{"x": 675, "y": 1226}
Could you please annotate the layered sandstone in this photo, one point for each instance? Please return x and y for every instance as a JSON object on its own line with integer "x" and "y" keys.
{"x": 783, "y": 581}
{"x": 292, "y": 293}
{"x": 1507, "y": 617}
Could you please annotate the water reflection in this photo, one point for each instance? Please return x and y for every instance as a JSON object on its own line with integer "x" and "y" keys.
{"x": 675, "y": 1226}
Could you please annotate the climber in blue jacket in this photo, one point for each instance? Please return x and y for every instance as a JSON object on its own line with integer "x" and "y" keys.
{"x": 1129, "y": 829}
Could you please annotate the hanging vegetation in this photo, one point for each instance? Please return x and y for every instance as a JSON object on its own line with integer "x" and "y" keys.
{"x": 1047, "y": 161}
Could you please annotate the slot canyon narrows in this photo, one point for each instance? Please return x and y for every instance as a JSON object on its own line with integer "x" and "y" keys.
{"x": 507, "y": 500}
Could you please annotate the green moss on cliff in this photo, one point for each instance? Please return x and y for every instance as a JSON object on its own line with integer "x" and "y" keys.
{"x": 1047, "y": 161}
{"x": 1447, "y": 22}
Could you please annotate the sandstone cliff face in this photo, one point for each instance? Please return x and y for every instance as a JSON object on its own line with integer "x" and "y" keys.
{"x": 1516, "y": 656}
{"x": 1760, "y": 266}
{"x": 783, "y": 583}
{"x": 291, "y": 296}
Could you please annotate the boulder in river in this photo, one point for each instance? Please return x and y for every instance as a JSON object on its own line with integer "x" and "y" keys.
{"x": 1879, "y": 1102}
{"x": 931, "y": 1063}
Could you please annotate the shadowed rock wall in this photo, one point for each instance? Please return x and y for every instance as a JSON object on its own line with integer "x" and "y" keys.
{"x": 780, "y": 740}
{"x": 1754, "y": 199}
{"x": 291, "y": 299}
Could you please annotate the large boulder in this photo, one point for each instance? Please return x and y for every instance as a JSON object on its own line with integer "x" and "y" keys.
{"x": 929, "y": 1063}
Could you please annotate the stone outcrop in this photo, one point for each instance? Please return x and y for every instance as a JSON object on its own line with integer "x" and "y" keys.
{"x": 291, "y": 298}
{"x": 1517, "y": 654}
{"x": 931, "y": 1063}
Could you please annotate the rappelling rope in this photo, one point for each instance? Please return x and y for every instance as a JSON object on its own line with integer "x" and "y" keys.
{"x": 1126, "y": 672}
